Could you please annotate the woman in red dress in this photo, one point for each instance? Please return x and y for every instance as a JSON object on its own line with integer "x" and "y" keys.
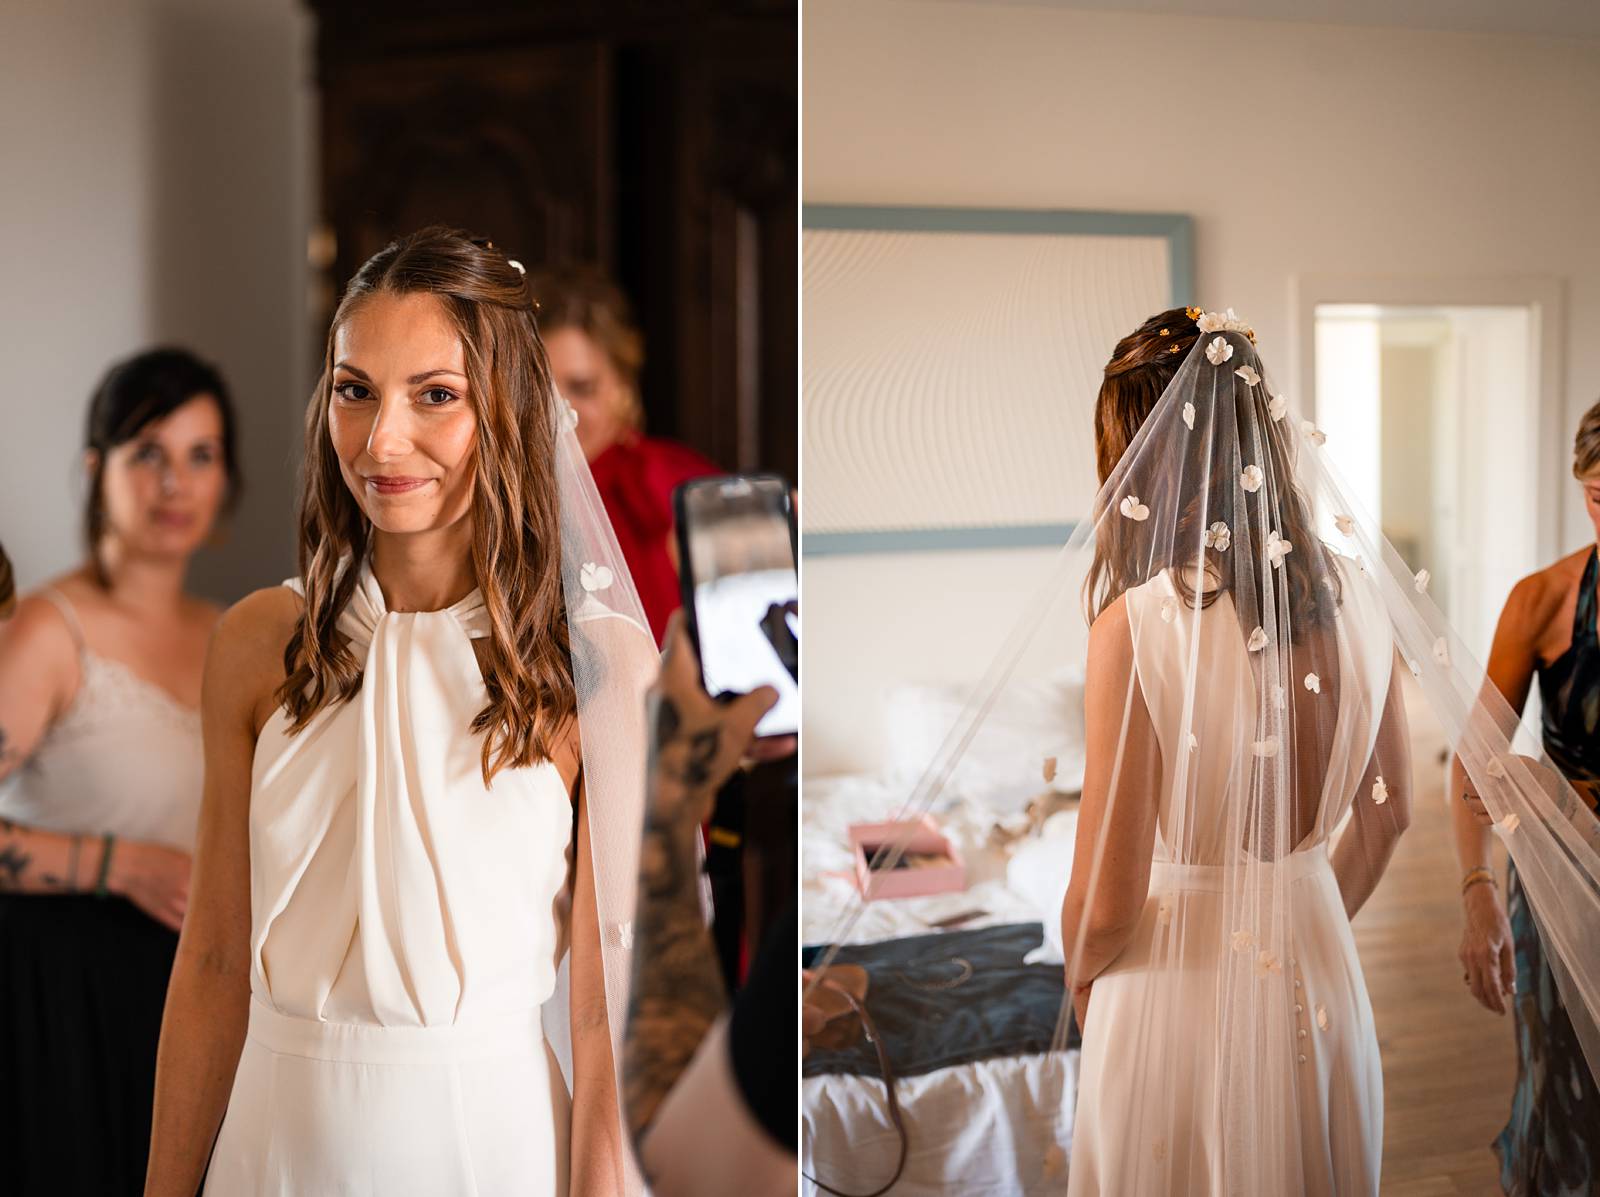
{"x": 596, "y": 352}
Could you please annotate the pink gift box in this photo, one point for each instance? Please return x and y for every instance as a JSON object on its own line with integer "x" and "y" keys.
{"x": 921, "y": 836}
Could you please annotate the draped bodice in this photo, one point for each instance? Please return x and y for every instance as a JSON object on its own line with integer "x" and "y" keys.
{"x": 389, "y": 885}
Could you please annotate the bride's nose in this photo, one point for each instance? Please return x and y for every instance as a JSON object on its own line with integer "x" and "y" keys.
{"x": 390, "y": 437}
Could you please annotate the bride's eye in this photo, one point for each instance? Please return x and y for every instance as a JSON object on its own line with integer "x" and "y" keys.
{"x": 352, "y": 392}
{"x": 437, "y": 397}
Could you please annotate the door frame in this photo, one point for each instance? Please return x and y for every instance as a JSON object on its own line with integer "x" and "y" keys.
{"x": 1544, "y": 297}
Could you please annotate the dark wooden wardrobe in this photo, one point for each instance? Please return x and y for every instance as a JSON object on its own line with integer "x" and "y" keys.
{"x": 656, "y": 138}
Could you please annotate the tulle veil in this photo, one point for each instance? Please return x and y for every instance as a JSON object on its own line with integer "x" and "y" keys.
{"x": 1253, "y": 636}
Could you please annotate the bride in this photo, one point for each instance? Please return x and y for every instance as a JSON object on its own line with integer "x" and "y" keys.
{"x": 1247, "y": 777}
{"x": 422, "y": 772}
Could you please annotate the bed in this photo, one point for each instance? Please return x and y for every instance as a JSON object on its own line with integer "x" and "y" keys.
{"x": 992, "y": 1125}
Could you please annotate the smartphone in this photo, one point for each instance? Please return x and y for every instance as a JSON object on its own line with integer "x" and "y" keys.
{"x": 741, "y": 594}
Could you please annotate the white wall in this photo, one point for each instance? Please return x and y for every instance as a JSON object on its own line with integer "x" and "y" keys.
{"x": 1297, "y": 148}
{"x": 158, "y": 161}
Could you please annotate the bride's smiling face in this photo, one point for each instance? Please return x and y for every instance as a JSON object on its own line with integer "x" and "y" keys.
{"x": 400, "y": 419}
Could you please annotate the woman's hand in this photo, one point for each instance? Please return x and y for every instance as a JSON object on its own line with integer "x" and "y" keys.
{"x": 696, "y": 741}
{"x": 154, "y": 877}
{"x": 1080, "y": 1004}
{"x": 1486, "y": 948}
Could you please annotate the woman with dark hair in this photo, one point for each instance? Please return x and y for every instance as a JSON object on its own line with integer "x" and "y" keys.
{"x": 100, "y": 778}
{"x": 423, "y": 769}
{"x": 596, "y": 356}
{"x": 1550, "y": 1146}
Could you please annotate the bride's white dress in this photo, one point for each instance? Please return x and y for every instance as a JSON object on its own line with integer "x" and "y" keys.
{"x": 404, "y": 936}
{"x": 1155, "y": 1059}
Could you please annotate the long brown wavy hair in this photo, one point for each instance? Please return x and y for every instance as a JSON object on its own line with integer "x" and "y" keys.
{"x": 516, "y": 541}
{"x": 1128, "y": 553}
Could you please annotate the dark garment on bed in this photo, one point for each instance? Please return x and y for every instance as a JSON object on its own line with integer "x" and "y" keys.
{"x": 1551, "y": 1144}
{"x": 82, "y": 984}
{"x": 950, "y": 998}
{"x": 762, "y": 1030}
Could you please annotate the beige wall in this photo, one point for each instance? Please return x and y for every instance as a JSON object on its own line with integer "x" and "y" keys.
{"x": 158, "y": 188}
{"x": 1297, "y": 148}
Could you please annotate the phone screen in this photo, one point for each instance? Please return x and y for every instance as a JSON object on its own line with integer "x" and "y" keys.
{"x": 740, "y": 564}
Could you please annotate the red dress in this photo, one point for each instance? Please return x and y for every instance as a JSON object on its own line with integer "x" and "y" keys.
{"x": 635, "y": 480}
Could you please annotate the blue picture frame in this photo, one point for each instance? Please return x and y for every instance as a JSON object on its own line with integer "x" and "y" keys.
{"x": 1175, "y": 228}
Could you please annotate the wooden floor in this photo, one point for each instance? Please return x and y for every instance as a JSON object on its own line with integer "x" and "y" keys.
{"x": 1448, "y": 1064}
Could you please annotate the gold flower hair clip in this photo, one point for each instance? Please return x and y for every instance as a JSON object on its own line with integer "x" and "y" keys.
{"x": 1194, "y": 313}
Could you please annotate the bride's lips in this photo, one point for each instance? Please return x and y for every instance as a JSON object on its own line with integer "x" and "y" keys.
{"x": 395, "y": 484}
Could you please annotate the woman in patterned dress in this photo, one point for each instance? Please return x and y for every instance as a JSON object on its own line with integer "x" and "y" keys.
{"x": 1550, "y": 1146}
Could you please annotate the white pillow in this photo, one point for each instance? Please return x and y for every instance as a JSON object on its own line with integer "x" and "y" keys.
{"x": 1039, "y": 870}
{"x": 1031, "y": 720}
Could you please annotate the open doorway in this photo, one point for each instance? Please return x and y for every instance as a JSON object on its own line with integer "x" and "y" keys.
{"x": 1433, "y": 417}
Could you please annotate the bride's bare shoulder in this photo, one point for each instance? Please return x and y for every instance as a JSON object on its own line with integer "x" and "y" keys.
{"x": 246, "y": 657}
{"x": 261, "y": 619}
{"x": 1111, "y": 633}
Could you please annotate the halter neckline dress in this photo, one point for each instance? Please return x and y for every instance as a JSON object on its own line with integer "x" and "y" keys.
{"x": 403, "y": 938}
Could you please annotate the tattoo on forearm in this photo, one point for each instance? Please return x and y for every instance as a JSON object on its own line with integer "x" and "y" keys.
{"x": 13, "y": 864}
{"x": 677, "y": 988}
{"x": 683, "y": 758}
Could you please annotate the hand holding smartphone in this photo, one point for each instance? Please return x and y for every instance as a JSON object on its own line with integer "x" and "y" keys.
{"x": 740, "y": 589}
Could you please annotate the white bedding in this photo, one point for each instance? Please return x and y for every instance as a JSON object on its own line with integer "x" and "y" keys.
{"x": 966, "y": 1124}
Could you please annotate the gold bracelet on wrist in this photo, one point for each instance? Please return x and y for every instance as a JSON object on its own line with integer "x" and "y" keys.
{"x": 1478, "y": 876}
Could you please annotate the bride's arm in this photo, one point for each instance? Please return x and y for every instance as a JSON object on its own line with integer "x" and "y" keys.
{"x": 1380, "y": 812}
{"x": 596, "y": 1155}
{"x": 1117, "y": 814}
{"x": 208, "y": 999}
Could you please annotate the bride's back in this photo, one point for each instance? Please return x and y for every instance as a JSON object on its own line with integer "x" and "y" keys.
{"x": 1211, "y": 699}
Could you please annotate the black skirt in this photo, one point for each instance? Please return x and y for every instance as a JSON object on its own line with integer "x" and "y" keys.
{"x": 82, "y": 985}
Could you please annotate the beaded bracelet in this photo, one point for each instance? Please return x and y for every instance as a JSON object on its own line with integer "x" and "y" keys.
{"x": 100, "y": 890}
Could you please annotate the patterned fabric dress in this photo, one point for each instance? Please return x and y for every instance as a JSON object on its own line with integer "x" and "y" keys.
{"x": 1551, "y": 1145}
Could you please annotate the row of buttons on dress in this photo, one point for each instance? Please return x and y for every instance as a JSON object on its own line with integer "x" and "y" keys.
{"x": 1303, "y": 1033}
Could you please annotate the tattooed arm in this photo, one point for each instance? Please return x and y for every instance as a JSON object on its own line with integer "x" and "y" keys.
{"x": 38, "y": 675}
{"x": 38, "y": 678}
{"x": 677, "y": 992}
